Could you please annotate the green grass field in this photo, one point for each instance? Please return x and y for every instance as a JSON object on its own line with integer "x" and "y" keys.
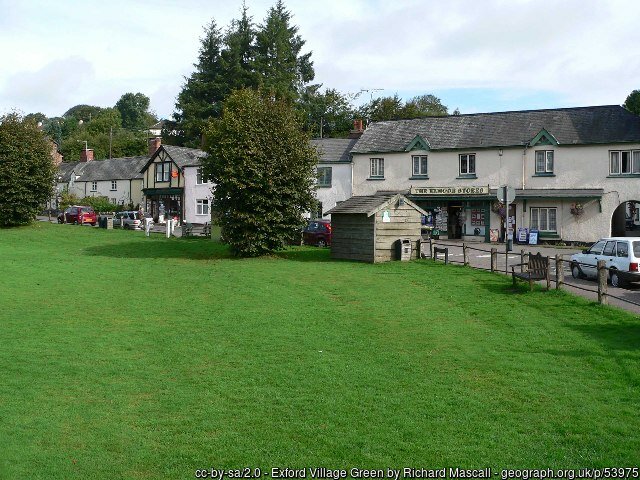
{"x": 128, "y": 357}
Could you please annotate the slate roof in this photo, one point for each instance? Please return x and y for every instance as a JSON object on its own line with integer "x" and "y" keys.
{"x": 369, "y": 204}
{"x": 126, "y": 168}
{"x": 183, "y": 156}
{"x": 334, "y": 150}
{"x": 573, "y": 126}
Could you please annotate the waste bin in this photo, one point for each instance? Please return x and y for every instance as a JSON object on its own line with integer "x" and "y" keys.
{"x": 403, "y": 249}
{"x": 424, "y": 245}
{"x": 109, "y": 223}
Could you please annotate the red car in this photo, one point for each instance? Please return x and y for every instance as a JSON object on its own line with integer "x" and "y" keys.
{"x": 78, "y": 214}
{"x": 317, "y": 232}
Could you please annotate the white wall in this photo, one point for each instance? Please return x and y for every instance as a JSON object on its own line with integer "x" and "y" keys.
{"x": 574, "y": 167}
{"x": 192, "y": 193}
{"x": 340, "y": 189}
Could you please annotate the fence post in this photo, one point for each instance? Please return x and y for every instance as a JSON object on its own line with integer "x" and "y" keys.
{"x": 465, "y": 255}
{"x": 548, "y": 279}
{"x": 559, "y": 272}
{"x": 494, "y": 259}
{"x": 602, "y": 283}
{"x": 522, "y": 255}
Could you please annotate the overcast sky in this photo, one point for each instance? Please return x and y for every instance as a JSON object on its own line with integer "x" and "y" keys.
{"x": 477, "y": 55}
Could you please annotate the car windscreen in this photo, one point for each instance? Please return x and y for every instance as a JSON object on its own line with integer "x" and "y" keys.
{"x": 636, "y": 249}
{"x": 86, "y": 210}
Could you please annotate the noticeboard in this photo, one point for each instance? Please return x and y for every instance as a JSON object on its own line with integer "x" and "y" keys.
{"x": 522, "y": 235}
{"x": 533, "y": 237}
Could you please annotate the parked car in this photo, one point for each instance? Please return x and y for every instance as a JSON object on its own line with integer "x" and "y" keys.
{"x": 131, "y": 220}
{"x": 78, "y": 214}
{"x": 622, "y": 257}
{"x": 317, "y": 232}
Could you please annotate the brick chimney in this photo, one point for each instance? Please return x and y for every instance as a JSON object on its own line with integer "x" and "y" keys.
{"x": 358, "y": 129}
{"x": 86, "y": 155}
{"x": 154, "y": 145}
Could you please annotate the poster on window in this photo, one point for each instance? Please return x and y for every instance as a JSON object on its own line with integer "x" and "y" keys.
{"x": 477, "y": 217}
{"x": 442, "y": 220}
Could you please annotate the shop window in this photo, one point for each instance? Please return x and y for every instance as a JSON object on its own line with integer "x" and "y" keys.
{"x": 324, "y": 176}
{"x": 202, "y": 206}
{"x": 544, "y": 162}
{"x": 377, "y": 167}
{"x": 468, "y": 165}
{"x": 624, "y": 162}
{"x": 544, "y": 219}
{"x": 419, "y": 165}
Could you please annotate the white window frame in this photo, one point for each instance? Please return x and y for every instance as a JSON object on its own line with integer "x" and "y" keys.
{"x": 94, "y": 186}
{"x": 163, "y": 172}
{"x": 201, "y": 203}
{"x": 114, "y": 185}
{"x": 422, "y": 164}
{"x": 617, "y": 162}
{"x": 324, "y": 180}
{"x": 546, "y": 161}
{"x": 546, "y": 219}
{"x": 376, "y": 167}
{"x": 467, "y": 171}
{"x": 199, "y": 177}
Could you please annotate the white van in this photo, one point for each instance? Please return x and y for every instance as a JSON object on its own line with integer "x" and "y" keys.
{"x": 621, "y": 256}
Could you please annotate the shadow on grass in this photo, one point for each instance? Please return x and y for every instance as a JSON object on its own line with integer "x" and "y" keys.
{"x": 305, "y": 254}
{"x": 195, "y": 249}
{"x": 613, "y": 336}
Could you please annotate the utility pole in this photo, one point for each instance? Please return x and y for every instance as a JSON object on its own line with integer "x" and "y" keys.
{"x": 110, "y": 140}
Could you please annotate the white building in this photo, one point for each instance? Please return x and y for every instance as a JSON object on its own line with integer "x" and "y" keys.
{"x": 334, "y": 172}
{"x": 576, "y": 171}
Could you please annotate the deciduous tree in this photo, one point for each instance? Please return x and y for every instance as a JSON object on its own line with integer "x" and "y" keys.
{"x": 26, "y": 170}
{"x": 263, "y": 169}
{"x": 632, "y": 103}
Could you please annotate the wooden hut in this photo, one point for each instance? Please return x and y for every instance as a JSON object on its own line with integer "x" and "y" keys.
{"x": 367, "y": 228}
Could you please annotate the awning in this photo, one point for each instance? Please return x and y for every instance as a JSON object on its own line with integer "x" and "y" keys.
{"x": 149, "y": 192}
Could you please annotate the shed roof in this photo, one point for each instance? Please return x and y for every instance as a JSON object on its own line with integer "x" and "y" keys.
{"x": 370, "y": 204}
{"x": 334, "y": 150}
{"x": 568, "y": 126}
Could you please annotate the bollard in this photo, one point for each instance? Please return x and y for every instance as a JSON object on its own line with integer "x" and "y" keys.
{"x": 494, "y": 259}
{"x": 465, "y": 255}
{"x": 602, "y": 282}
{"x": 559, "y": 272}
{"x": 168, "y": 225}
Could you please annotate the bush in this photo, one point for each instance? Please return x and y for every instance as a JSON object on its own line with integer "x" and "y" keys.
{"x": 26, "y": 170}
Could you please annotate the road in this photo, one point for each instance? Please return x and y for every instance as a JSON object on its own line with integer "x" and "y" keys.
{"x": 482, "y": 259}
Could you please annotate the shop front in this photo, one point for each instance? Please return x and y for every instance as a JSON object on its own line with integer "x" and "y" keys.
{"x": 455, "y": 212}
{"x": 163, "y": 203}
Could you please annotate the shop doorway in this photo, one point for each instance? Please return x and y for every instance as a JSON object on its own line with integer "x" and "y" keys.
{"x": 455, "y": 220}
{"x": 625, "y": 221}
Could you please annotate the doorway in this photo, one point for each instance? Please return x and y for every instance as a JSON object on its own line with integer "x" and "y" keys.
{"x": 455, "y": 220}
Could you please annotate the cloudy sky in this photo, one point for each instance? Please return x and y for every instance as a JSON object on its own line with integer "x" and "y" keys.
{"x": 477, "y": 55}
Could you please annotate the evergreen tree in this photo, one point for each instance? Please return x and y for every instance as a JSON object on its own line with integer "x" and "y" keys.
{"x": 282, "y": 69}
{"x": 238, "y": 55}
{"x": 203, "y": 92}
{"x": 632, "y": 103}
{"x": 263, "y": 169}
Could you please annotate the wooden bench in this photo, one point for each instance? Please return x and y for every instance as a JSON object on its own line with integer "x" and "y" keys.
{"x": 190, "y": 230}
{"x": 537, "y": 269}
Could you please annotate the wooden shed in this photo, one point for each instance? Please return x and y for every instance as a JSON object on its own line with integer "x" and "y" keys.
{"x": 367, "y": 228}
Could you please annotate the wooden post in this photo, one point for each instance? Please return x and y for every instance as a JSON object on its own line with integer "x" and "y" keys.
{"x": 602, "y": 282}
{"x": 465, "y": 255}
{"x": 559, "y": 272}
{"x": 494, "y": 259}
{"x": 548, "y": 274}
{"x": 522, "y": 255}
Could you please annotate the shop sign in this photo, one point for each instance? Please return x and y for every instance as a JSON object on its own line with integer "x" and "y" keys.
{"x": 484, "y": 190}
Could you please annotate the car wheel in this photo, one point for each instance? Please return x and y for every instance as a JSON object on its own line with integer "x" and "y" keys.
{"x": 75, "y": 222}
{"x": 127, "y": 226}
{"x": 575, "y": 271}
{"x": 615, "y": 279}
{"x": 93, "y": 224}
{"x": 322, "y": 243}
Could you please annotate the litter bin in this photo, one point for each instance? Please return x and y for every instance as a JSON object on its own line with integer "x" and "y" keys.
{"x": 403, "y": 249}
{"x": 109, "y": 222}
{"x": 424, "y": 245}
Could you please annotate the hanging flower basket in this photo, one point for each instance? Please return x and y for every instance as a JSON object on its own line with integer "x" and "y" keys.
{"x": 577, "y": 209}
{"x": 498, "y": 207}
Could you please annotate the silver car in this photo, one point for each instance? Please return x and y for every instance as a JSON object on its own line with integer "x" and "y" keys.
{"x": 129, "y": 220}
{"x": 621, "y": 256}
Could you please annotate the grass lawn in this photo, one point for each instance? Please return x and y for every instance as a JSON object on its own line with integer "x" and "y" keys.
{"x": 128, "y": 357}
